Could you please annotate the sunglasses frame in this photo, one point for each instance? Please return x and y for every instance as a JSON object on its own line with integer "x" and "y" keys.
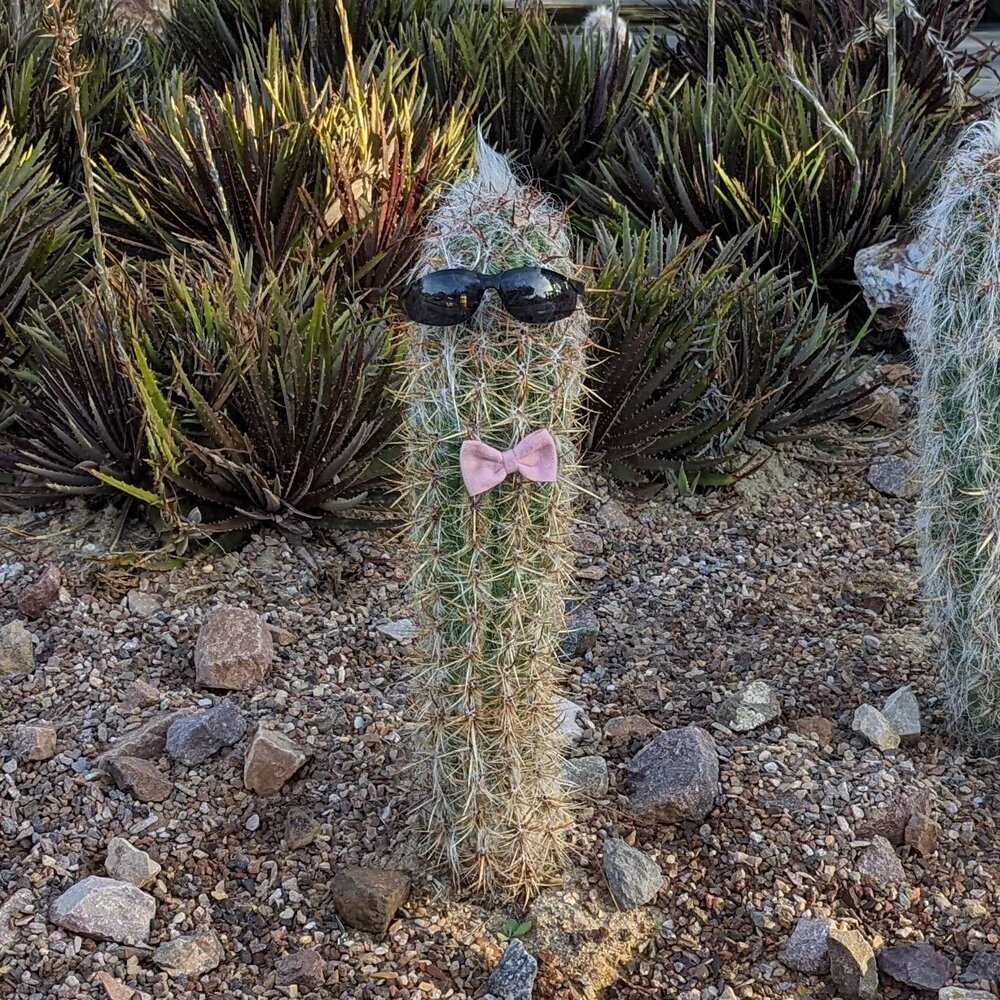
{"x": 494, "y": 282}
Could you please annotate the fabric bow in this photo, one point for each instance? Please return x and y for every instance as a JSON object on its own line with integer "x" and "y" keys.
{"x": 535, "y": 457}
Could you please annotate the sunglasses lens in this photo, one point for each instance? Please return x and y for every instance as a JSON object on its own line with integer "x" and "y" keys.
{"x": 538, "y": 295}
{"x": 443, "y": 298}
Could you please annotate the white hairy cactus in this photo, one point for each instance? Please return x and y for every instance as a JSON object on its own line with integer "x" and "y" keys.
{"x": 491, "y": 571}
{"x": 955, "y": 333}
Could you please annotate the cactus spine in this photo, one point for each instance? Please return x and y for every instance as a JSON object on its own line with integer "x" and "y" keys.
{"x": 955, "y": 333}
{"x": 491, "y": 571}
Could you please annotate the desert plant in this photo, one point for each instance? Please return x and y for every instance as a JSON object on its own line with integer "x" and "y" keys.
{"x": 553, "y": 100}
{"x": 79, "y": 429}
{"x": 924, "y": 41}
{"x": 814, "y": 166}
{"x": 283, "y": 170}
{"x": 113, "y": 62}
{"x": 265, "y": 399}
{"x": 490, "y": 568}
{"x": 954, "y": 326}
{"x": 700, "y": 354}
{"x": 40, "y": 232}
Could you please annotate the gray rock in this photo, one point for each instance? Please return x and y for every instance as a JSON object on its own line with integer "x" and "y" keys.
{"x": 10, "y": 571}
{"x": 271, "y": 760}
{"x": 888, "y": 272}
{"x": 895, "y": 476}
{"x": 806, "y": 948}
{"x": 582, "y": 630}
{"x": 852, "y": 964}
{"x": 234, "y": 650}
{"x": 571, "y": 720}
{"x": 633, "y": 878}
{"x": 675, "y": 777}
{"x": 870, "y": 723}
{"x": 128, "y": 864}
{"x": 193, "y": 955}
{"x": 612, "y": 515}
{"x": 141, "y": 779}
{"x": 19, "y": 902}
{"x": 402, "y": 630}
{"x": 587, "y": 775}
{"x": 751, "y": 706}
{"x": 957, "y": 993}
{"x": 916, "y": 965}
{"x": 300, "y": 968}
{"x": 142, "y": 603}
{"x": 148, "y": 741}
{"x": 880, "y": 863}
{"x": 368, "y": 898}
{"x": 17, "y": 652}
{"x": 514, "y": 977}
{"x": 196, "y": 737}
{"x": 903, "y": 712}
{"x": 105, "y": 909}
{"x": 34, "y": 741}
{"x": 984, "y": 967}
{"x": 39, "y": 596}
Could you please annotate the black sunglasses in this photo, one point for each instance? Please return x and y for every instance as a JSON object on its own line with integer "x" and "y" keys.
{"x": 529, "y": 294}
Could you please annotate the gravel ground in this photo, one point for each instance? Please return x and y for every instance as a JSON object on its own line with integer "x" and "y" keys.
{"x": 804, "y": 578}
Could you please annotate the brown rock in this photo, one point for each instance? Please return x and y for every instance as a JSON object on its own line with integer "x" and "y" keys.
{"x": 922, "y": 834}
{"x": 147, "y": 741}
{"x": 852, "y": 964}
{"x": 139, "y": 778}
{"x": 629, "y": 726}
{"x": 234, "y": 650}
{"x": 815, "y": 727}
{"x": 39, "y": 596}
{"x": 138, "y": 695}
{"x": 880, "y": 863}
{"x": 301, "y": 829}
{"x": 890, "y": 820}
{"x": 368, "y": 898}
{"x": 34, "y": 741}
{"x": 272, "y": 758}
{"x": 300, "y": 968}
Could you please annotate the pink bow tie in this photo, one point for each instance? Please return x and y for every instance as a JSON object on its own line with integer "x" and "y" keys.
{"x": 535, "y": 457}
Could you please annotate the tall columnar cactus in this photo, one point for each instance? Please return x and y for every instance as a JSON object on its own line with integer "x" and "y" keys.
{"x": 955, "y": 332}
{"x": 491, "y": 570}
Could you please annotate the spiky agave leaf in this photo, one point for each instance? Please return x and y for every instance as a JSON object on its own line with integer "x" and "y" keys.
{"x": 275, "y": 404}
{"x": 80, "y": 414}
{"x": 285, "y": 170}
{"x": 931, "y": 57}
{"x": 115, "y": 61}
{"x": 660, "y": 305}
{"x": 762, "y": 154}
{"x": 553, "y": 100}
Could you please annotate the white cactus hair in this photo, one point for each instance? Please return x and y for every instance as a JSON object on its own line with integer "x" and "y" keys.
{"x": 603, "y": 23}
{"x": 955, "y": 333}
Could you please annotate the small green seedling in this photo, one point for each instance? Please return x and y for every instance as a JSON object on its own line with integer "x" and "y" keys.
{"x": 514, "y": 928}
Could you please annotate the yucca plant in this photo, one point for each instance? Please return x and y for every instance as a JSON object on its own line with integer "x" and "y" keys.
{"x": 79, "y": 429}
{"x": 114, "y": 64}
{"x": 218, "y": 38}
{"x": 659, "y": 305}
{"x": 815, "y": 167}
{"x": 923, "y": 41}
{"x": 284, "y": 170}
{"x": 40, "y": 229}
{"x": 265, "y": 398}
{"x": 552, "y": 100}
{"x": 785, "y": 362}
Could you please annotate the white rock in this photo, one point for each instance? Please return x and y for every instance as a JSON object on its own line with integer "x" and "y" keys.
{"x": 875, "y": 727}
{"x": 903, "y": 712}
{"x": 402, "y": 630}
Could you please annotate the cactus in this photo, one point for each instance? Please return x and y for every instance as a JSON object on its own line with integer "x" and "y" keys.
{"x": 491, "y": 570}
{"x": 955, "y": 333}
